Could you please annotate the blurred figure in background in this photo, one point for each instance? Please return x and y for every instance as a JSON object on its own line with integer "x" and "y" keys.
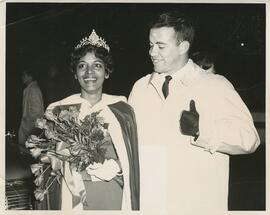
{"x": 54, "y": 90}
{"x": 205, "y": 60}
{"x": 32, "y": 106}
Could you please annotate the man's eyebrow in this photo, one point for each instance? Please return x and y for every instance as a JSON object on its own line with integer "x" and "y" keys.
{"x": 159, "y": 43}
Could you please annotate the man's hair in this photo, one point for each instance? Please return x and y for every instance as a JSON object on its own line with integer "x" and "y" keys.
{"x": 30, "y": 72}
{"x": 182, "y": 26}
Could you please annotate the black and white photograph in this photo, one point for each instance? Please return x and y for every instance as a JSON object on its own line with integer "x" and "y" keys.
{"x": 143, "y": 107}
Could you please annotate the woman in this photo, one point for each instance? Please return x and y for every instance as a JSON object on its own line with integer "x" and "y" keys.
{"x": 113, "y": 185}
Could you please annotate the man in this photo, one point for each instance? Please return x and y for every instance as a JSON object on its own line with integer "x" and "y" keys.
{"x": 188, "y": 124}
{"x": 32, "y": 108}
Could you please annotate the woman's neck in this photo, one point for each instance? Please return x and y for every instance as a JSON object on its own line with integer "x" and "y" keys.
{"x": 92, "y": 98}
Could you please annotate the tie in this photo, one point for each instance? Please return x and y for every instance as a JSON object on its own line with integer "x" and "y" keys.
{"x": 165, "y": 87}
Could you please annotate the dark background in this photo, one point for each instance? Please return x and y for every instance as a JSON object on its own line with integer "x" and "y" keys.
{"x": 42, "y": 34}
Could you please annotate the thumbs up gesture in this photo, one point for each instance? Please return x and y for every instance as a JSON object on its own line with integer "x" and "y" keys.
{"x": 189, "y": 121}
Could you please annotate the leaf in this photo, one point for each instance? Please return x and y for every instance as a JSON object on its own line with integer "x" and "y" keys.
{"x": 76, "y": 138}
{"x": 80, "y": 137}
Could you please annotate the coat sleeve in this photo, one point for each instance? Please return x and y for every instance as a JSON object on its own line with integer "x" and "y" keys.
{"x": 228, "y": 127}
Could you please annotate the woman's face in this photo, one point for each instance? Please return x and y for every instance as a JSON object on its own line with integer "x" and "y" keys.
{"x": 90, "y": 72}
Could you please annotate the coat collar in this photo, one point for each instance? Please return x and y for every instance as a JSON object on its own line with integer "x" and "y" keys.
{"x": 184, "y": 76}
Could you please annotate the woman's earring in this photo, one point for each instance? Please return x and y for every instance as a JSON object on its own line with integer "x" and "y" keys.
{"x": 75, "y": 76}
{"x": 107, "y": 76}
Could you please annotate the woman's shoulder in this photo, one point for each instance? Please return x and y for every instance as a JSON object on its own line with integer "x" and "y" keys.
{"x": 111, "y": 99}
{"x": 121, "y": 107}
{"x": 73, "y": 99}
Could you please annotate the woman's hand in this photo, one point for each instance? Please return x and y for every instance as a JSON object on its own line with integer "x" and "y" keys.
{"x": 106, "y": 171}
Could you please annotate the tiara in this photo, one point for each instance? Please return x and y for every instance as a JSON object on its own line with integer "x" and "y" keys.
{"x": 94, "y": 40}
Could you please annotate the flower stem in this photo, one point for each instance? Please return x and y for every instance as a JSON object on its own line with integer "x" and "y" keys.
{"x": 48, "y": 187}
{"x": 45, "y": 170}
{"x": 41, "y": 133}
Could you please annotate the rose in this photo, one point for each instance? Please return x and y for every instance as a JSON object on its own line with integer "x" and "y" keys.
{"x": 64, "y": 115}
{"x": 34, "y": 138}
{"x": 41, "y": 123}
{"x": 36, "y": 152}
{"x": 74, "y": 112}
{"x": 50, "y": 134}
{"x": 56, "y": 163}
{"x": 29, "y": 144}
{"x": 38, "y": 181}
{"x": 39, "y": 194}
{"x": 35, "y": 168}
{"x": 53, "y": 173}
{"x": 49, "y": 115}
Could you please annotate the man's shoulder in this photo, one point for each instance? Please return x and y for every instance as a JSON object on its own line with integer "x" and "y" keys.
{"x": 214, "y": 80}
{"x": 34, "y": 90}
{"x": 139, "y": 88}
{"x": 34, "y": 86}
{"x": 143, "y": 81}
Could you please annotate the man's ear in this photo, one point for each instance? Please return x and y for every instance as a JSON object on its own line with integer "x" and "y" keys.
{"x": 184, "y": 47}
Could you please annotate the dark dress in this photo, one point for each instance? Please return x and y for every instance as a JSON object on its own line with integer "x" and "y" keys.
{"x": 105, "y": 195}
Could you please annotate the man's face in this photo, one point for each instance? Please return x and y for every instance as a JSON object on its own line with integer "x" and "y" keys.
{"x": 26, "y": 79}
{"x": 165, "y": 50}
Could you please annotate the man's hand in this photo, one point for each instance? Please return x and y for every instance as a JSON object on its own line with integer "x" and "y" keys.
{"x": 106, "y": 171}
{"x": 189, "y": 121}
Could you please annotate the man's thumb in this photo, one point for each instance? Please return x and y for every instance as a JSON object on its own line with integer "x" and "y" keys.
{"x": 192, "y": 107}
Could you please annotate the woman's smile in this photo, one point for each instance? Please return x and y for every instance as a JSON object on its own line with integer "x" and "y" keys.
{"x": 90, "y": 79}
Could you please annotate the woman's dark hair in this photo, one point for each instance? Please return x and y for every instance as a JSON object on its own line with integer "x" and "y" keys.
{"x": 178, "y": 21}
{"x": 99, "y": 52}
{"x": 204, "y": 59}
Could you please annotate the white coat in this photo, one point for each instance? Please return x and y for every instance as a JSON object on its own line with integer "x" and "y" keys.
{"x": 178, "y": 175}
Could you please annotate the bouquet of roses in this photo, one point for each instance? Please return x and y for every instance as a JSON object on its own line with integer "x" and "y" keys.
{"x": 65, "y": 137}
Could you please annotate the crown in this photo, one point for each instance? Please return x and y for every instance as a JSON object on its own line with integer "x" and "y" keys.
{"x": 94, "y": 40}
